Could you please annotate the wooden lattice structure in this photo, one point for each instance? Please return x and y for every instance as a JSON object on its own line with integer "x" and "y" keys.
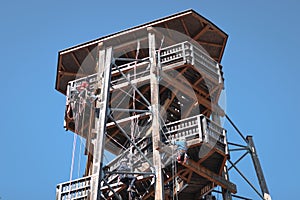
{"x": 171, "y": 70}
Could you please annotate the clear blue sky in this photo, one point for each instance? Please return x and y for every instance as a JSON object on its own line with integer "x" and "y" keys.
{"x": 260, "y": 64}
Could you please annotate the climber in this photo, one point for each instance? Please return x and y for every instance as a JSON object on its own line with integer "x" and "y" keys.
{"x": 127, "y": 179}
{"x": 181, "y": 150}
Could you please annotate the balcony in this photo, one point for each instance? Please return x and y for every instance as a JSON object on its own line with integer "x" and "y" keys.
{"x": 78, "y": 189}
{"x": 197, "y": 130}
{"x": 169, "y": 57}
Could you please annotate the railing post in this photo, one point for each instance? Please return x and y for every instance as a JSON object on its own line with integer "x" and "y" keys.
{"x": 200, "y": 129}
{"x": 183, "y": 52}
{"x": 219, "y": 73}
{"x": 58, "y": 192}
{"x": 205, "y": 129}
{"x": 192, "y": 54}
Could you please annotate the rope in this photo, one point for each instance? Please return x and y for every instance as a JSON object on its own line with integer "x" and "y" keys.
{"x": 79, "y": 157}
{"x": 82, "y": 127}
{"x": 161, "y": 43}
{"x": 127, "y": 93}
{"x": 72, "y": 163}
{"x": 115, "y": 141}
{"x": 164, "y": 125}
{"x": 174, "y": 169}
{"x": 73, "y": 155}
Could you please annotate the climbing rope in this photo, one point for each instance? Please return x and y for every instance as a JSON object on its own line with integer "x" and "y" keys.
{"x": 79, "y": 157}
{"x": 133, "y": 120}
{"x": 115, "y": 141}
{"x": 73, "y": 155}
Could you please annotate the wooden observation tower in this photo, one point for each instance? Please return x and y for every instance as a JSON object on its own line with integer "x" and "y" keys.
{"x": 135, "y": 94}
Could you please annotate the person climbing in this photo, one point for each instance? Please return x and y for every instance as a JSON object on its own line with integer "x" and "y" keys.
{"x": 181, "y": 150}
{"x": 127, "y": 179}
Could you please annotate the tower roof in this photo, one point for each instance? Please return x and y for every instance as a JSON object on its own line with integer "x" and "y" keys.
{"x": 189, "y": 22}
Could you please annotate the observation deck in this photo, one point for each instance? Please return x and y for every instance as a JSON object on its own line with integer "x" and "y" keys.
{"x": 187, "y": 53}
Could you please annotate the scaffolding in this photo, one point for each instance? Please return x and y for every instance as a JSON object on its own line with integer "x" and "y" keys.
{"x": 138, "y": 92}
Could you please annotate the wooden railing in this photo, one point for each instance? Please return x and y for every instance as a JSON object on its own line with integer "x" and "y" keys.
{"x": 198, "y": 128}
{"x": 186, "y": 52}
{"x": 75, "y": 189}
{"x": 171, "y": 56}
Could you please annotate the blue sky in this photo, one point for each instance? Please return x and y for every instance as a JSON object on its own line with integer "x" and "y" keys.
{"x": 261, "y": 76}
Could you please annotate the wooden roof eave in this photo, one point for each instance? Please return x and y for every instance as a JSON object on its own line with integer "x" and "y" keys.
{"x": 134, "y": 30}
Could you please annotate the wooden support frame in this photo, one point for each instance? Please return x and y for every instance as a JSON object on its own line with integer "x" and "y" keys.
{"x": 217, "y": 179}
{"x": 154, "y": 84}
{"x": 184, "y": 19}
{"x": 104, "y": 73}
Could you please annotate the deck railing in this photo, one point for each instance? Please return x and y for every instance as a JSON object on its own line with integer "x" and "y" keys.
{"x": 77, "y": 189}
{"x": 198, "y": 129}
{"x": 187, "y": 53}
{"x": 171, "y": 56}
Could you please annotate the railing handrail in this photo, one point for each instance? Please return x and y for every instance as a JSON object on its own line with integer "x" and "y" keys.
{"x": 185, "y": 119}
{"x": 76, "y": 180}
{"x": 145, "y": 60}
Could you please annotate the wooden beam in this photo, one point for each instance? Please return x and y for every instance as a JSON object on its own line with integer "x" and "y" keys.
{"x": 201, "y": 32}
{"x": 166, "y": 181}
{"x": 222, "y": 50}
{"x": 154, "y": 84}
{"x": 209, "y": 175}
{"x": 75, "y": 59}
{"x": 219, "y": 93}
{"x": 211, "y": 92}
{"x": 124, "y": 120}
{"x": 190, "y": 92}
{"x": 104, "y": 71}
{"x": 120, "y": 114}
{"x": 189, "y": 110}
{"x": 190, "y": 177}
{"x": 223, "y": 165}
{"x": 210, "y": 44}
{"x": 206, "y": 156}
{"x": 63, "y": 73}
{"x": 167, "y": 104}
{"x": 168, "y": 30}
{"x": 183, "y": 175}
{"x": 198, "y": 81}
{"x": 185, "y": 28}
{"x": 77, "y": 63}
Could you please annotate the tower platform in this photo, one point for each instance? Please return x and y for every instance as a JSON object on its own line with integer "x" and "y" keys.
{"x": 184, "y": 72}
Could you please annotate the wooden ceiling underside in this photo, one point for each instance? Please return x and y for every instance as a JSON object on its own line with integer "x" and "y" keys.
{"x": 189, "y": 23}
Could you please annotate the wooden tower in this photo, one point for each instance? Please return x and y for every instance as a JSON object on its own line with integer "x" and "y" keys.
{"x": 134, "y": 93}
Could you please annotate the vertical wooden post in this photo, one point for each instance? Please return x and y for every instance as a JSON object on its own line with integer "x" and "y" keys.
{"x": 104, "y": 75}
{"x": 258, "y": 169}
{"x": 225, "y": 192}
{"x": 159, "y": 183}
